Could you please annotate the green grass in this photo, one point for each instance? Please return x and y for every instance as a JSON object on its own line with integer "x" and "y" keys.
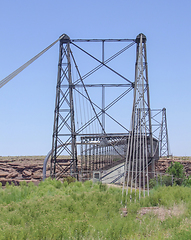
{"x": 89, "y": 211}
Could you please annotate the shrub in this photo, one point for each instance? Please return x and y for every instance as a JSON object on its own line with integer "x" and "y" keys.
{"x": 175, "y": 175}
{"x": 165, "y": 180}
{"x": 69, "y": 179}
{"x": 102, "y": 187}
{"x": 187, "y": 181}
{"x": 177, "y": 171}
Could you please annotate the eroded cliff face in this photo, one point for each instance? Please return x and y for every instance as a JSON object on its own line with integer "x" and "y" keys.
{"x": 18, "y": 169}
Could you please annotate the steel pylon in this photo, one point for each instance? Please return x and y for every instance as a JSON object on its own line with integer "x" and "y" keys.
{"x": 160, "y": 131}
{"x": 164, "y": 143}
{"x": 140, "y": 143}
{"x": 64, "y": 123}
{"x": 87, "y": 133}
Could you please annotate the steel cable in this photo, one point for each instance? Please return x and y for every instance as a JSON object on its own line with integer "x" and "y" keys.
{"x": 20, "y": 69}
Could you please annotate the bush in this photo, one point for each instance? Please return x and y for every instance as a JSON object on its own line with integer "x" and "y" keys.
{"x": 69, "y": 179}
{"x": 177, "y": 171}
{"x": 165, "y": 180}
{"x": 187, "y": 181}
{"x": 175, "y": 175}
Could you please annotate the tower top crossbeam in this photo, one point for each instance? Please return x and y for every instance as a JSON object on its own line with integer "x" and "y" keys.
{"x": 65, "y": 38}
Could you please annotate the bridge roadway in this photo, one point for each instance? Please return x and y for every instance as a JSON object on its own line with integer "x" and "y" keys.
{"x": 113, "y": 175}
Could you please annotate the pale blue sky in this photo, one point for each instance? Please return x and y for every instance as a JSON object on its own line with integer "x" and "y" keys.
{"x": 27, "y": 27}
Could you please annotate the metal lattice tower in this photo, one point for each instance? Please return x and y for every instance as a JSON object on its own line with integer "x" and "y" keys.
{"x": 82, "y": 146}
{"x": 64, "y": 123}
{"x": 160, "y": 131}
{"x": 140, "y": 142}
{"x": 164, "y": 144}
{"x": 97, "y": 147}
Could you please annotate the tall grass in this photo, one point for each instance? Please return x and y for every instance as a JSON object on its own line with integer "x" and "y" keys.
{"x": 56, "y": 210}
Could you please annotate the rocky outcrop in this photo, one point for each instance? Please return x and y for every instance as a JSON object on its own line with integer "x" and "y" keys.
{"x": 163, "y": 164}
{"x": 19, "y": 169}
{"x": 3, "y": 174}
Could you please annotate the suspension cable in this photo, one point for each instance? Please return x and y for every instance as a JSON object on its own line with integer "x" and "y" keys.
{"x": 20, "y": 69}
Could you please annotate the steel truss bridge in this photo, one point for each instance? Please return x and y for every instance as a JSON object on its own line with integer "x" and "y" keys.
{"x": 95, "y": 104}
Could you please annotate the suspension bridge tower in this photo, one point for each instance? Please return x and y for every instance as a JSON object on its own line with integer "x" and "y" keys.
{"x": 100, "y": 149}
{"x": 140, "y": 142}
{"x": 64, "y": 122}
{"x": 164, "y": 143}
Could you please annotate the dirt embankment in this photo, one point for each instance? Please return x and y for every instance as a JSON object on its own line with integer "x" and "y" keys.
{"x": 29, "y": 168}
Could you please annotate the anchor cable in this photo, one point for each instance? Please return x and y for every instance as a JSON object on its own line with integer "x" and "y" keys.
{"x": 20, "y": 69}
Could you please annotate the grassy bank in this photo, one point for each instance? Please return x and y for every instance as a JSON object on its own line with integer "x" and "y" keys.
{"x": 85, "y": 211}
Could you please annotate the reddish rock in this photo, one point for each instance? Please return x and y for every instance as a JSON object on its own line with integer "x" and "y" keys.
{"x": 4, "y": 169}
{"x": 3, "y": 181}
{"x": 12, "y": 175}
{"x": 37, "y": 176}
{"x": 37, "y": 168}
{"x": 14, "y": 164}
{"x": 11, "y": 170}
{"x": 26, "y": 173}
{"x": 20, "y": 168}
{"x": 3, "y": 174}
